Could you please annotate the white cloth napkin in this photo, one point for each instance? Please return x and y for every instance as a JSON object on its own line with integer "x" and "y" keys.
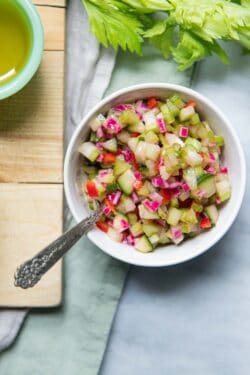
{"x": 89, "y": 69}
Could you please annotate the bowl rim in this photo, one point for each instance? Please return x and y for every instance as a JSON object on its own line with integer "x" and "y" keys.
{"x": 182, "y": 90}
{"x": 35, "y": 56}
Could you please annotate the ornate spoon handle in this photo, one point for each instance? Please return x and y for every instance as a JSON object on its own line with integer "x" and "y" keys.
{"x": 30, "y": 272}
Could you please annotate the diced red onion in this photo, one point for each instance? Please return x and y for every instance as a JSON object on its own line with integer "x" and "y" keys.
{"x": 176, "y": 193}
{"x": 112, "y": 125}
{"x": 100, "y": 158}
{"x": 156, "y": 197}
{"x": 161, "y": 123}
{"x": 211, "y": 144}
{"x": 99, "y": 132}
{"x": 99, "y": 146}
{"x": 224, "y": 170}
{"x": 161, "y": 222}
{"x": 140, "y": 107}
{"x": 211, "y": 170}
{"x": 159, "y": 182}
{"x": 110, "y": 223}
{"x": 217, "y": 201}
{"x": 114, "y": 197}
{"x": 130, "y": 240}
{"x": 106, "y": 210}
{"x": 211, "y": 156}
{"x": 124, "y": 225}
{"x": 138, "y": 175}
{"x": 185, "y": 187}
{"x": 176, "y": 232}
{"x": 122, "y": 107}
{"x": 201, "y": 193}
{"x": 127, "y": 153}
{"x": 151, "y": 205}
{"x": 183, "y": 133}
{"x": 135, "y": 197}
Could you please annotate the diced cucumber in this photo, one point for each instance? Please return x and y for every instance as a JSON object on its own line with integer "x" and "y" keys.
{"x": 89, "y": 150}
{"x": 154, "y": 239}
{"x": 174, "y": 216}
{"x": 126, "y": 181}
{"x": 132, "y": 218}
{"x": 110, "y": 145}
{"x": 219, "y": 140}
{"x": 120, "y": 223}
{"x": 152, "y": 151}
{"x": 150, "y": 122}
{"x": 212, "y": 213}
{"x": 143, "y": 244}
{"x": 136, "y": 229}
{"x": 144, "y": 213}
{"x": 128, "y": 204}
{"x": 191, "y": 156}
{"x": 189, "y": 216}
{"x": 223, "y": 190}
{"x": 138, "y": 128}
{"x": 132, "y": 143}
{"x": 123, "y": 136}
{"x": 186, "y": 113}
{"x": 106, "y": 176}
{"x": 97, "y": 122}
{"x": 206, "y": 183}
{"x": 164, "y": 239}
{"x": 140, "y": 152}
{"x": 172, "y": 139}
{"x": 120, "y": 167}
{"x": 150, "y": 228}
{"x": 174, "y": 202}
{"x": 114, "y": 235}
{"x": 129, "y": 118}
{"x": 189, "y": 177}
{"x": 143, "y": 191}
{"x": 89, "y": 169}
{"x": 197, "y": 207}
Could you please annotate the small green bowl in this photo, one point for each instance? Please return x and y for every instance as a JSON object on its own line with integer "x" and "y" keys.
{"x": 35, "y": 56}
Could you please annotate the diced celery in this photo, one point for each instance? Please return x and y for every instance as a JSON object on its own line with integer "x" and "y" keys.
{"x": 123, "y": 136}
{"x": 143, "y": 191}
{"x": 152, "y": 151}
{"x": 164, "y": 239}
{"x": 176, "y": 100}
{"x": 219, "y": 140}
{"x": 151, "y": 137}
{"x": 186, "y": 113}
{"x": 174, "y": 216}
{"x": 195, "y": 119}
{"x": 167, "y": 115}
{"x": 90, "y": 170}
{"x": 174, "y": 202}
{"x": 154, "y": 239}
{"x": 138, "y": 128}
{"x": 174, "y": 110}
{"x": 93, "y": 137}
{"x": 114, "y": 235}
{"x": 197, "y": 207}
{"x": 97, "y": 122}
{"x": 198, "y": 170}
{"x": 133, "y": 142}
{"x": 193, "y": 142}
{"x": 140, "y": 151}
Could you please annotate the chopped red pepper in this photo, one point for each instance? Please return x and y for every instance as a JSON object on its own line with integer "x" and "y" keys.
{"x": 166, "y": 195}
{"x": 91, "y": 189}
{"x": 152, "y": 103}
{"x": 138, "y": 185}
{"x": 133, "y": 161}
{"x": 192, "y": 103}
{"x": 102, "y": 225}
{"x": 205, "y": 223}
{"x": 109, "y": 158}
{"x": 134, "y": 134}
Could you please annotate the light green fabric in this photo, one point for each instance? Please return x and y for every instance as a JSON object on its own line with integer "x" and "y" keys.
{"x": 71, "y": 340}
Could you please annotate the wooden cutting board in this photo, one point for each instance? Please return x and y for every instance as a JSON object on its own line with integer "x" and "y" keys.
{"x": 31, "y": 168}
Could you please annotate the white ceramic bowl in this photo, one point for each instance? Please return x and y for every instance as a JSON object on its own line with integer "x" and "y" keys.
{"x": 233, "y": 157}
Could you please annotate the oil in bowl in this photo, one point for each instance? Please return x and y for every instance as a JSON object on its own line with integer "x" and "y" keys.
{"x": 15, "y": 40}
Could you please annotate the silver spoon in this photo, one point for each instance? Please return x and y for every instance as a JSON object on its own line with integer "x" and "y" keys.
{"x": 30, "y": 272}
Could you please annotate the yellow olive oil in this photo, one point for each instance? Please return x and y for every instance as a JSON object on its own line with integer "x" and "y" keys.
{"x": 15, "y": 40}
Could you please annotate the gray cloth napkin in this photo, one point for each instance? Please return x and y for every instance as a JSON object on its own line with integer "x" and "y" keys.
{"x": 89, "y": 71}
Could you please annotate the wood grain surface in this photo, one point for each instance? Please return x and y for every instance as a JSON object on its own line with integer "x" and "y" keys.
{"x": 31, "y": 163}
{"x": 31, "y": 217}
